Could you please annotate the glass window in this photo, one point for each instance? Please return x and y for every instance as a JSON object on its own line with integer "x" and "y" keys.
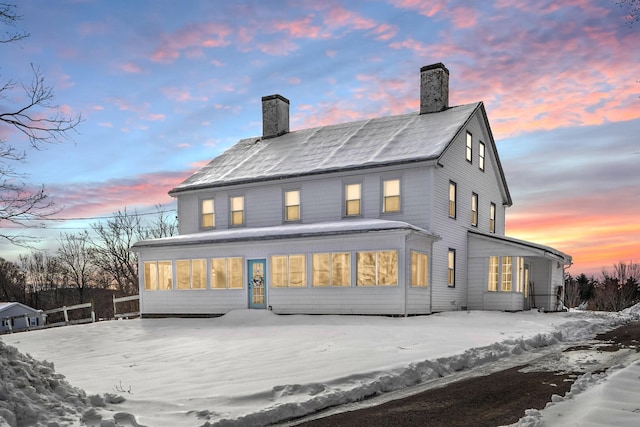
{"x": 493, "y": 273}
{"x": 150, "y": 276}
{"x": 165, "y": 275}
{"x": 492, "y": 218}
{"x": 292, "y": 205}
{"x": 208, "y": 219}
{"x": 191, "y": 274}
{"x": 520, "y": 278}
{"x": 183, "y": 274}
{"x": 391, "y": 195}
{"x": 226, "y": 273}
{"x": 451, "y": 264}
{"x": 377, "y": 268}
{"x": 288, "y": 271}
{"x": 452, "y": 199}
{"x": 469, "y": 152}
{"x": 332, "y": 269}
{"x": 352, "y": 199}
{"x": 505, "y": 283}
{"x": 419, "y": 269}
{"x": 481, "y": 157}
{"x": 237, "y": 210}
{"x": 474, "y": 209}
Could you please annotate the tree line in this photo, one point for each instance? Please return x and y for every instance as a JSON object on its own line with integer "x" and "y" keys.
{"x": 84, "y": 262}
{"x": 616, "y": 290}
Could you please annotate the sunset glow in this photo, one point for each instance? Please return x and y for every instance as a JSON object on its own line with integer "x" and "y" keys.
{"x": 164, "y": 88}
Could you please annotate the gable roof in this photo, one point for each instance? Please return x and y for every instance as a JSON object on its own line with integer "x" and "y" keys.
{"x": 5, "y": 306}
{"x": 368, "y": 143}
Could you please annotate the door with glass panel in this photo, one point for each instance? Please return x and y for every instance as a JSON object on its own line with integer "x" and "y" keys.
{"x": 257, "y": 287}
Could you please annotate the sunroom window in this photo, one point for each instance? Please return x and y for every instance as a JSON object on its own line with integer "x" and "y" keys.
{"x": 377, "y": 268}
{"x": 331, "y": 269}
{"x": 494, "y": 270}
{"x": 191, "y": 274}
{"x": 506, "y": 279}
{"x": 419, "y": 269}
{"x": 226, "y": 273}
{"x": 158, "y": 275}
{"x": 288, "y": 271}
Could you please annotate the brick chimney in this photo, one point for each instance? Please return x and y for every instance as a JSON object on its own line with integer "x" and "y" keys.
{"x": 275, "y": 116}
{"x": 434, "y": 88}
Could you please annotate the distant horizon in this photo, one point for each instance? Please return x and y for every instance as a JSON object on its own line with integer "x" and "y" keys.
{"x": 164, "y": 88}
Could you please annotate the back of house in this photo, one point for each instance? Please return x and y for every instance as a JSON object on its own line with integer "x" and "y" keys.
{"x": 395, "y": 215}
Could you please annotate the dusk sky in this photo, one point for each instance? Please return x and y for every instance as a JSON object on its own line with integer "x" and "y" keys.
{"x": 165, "y": 86}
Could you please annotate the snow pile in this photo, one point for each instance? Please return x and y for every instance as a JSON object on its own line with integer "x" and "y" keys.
{"x": 31, "y": 393}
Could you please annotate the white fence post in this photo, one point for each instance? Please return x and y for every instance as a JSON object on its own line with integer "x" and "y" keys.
{"x": 66, "y": 315}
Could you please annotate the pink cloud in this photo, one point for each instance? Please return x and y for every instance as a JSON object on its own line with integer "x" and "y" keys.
{"x": 181, "y": 95}
{"x": 131, "y": 68}
{"x": 301, "y": 28}
{"x": 191, "y": 39}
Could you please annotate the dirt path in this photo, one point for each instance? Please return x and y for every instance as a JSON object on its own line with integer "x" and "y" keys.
{"x": 491, "y": 400}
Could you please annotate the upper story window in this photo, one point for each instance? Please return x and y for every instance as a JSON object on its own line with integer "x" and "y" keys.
{"x": 391, "y": 195}
{"x": 237, "y": 210}
{"x": 451, "y": 267}
{"x": 469, "y": 151}
{"x": 208, "y": 215}
{"x": 292, "y": 205}
{"x": 474, "y": 209}
{"x": 352, "y": 194}
{"x": 481, "y": 156}
{"x": 492, "y": 218}
{"x": 452, "y": 199}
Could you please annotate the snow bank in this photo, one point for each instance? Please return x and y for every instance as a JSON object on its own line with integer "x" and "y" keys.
{"x": 31, "y": 393}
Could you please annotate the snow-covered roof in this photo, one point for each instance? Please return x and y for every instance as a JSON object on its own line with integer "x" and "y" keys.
{"x": 545, "y": 250}
{"x": 7, "y": 305}
{"x": 288, "y": 231}
{"x": 367, "y": 143}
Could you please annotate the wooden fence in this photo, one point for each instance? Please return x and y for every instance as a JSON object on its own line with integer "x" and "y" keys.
{"x": 65, "y": 310}
{"x": 116, "y": 301}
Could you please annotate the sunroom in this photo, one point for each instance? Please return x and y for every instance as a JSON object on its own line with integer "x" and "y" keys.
{"x": 511, "y": 275}
{"x": 344, "y": 267}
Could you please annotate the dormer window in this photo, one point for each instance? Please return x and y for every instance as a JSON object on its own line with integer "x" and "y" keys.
{"x": 352, "y": 194}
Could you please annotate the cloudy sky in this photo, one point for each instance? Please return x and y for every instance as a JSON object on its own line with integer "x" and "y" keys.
{"x": 164, "y": 86}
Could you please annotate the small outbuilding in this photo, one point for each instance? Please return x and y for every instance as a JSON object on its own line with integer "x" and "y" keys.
{"x": 15, "y": 316}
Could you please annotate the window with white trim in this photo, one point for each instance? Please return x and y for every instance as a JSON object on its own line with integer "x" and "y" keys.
{"x": 391, "y": 195}
{"x": 377, "y": 268}
{"x": 506, "y": 279}
{"x": 191, "y": 274}
{"x": 452, "y": 199}
{"x": 451, "y": 268}
{"x": 419, "y": 269}
{"x": 237, "y": 210}
{"x": 208, "y": 216}
{"x": 226, "y": 273}
{"x": 474, "y": 209}
{"x": 352, "y": 194}
{"x": 331, "y": 269}
{"x": 158, "y": 275}
{"x": 288, "y": 271}
{"x": 494, "y": 272}
{"x": 292, "y": 205}
{"x": 492, "y": 218}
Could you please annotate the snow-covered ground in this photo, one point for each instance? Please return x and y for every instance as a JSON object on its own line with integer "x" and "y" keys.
{"x": 252, "y": 367}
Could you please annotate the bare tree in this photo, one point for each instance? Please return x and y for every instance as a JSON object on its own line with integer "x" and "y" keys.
{"x": 33, "y": 117}
{"x": 74, "y": 253}
{"x": 12, "y": 282}
{"x": 115, "y": 236}
{"x": 631, "y": 9}
{"x": 42, "y": 270}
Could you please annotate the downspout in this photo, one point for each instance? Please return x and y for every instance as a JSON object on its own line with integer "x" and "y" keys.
{"x": 406, "y": 282}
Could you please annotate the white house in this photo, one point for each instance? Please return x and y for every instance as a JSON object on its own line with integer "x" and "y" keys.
{"x": 394, "y": 215}
{"x": 15, "y": 316}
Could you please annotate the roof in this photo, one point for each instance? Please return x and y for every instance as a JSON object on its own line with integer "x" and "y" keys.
{"x": 7, "y": 305}
{"x": 289, "y": 231}
{"x": 374, "y": 142}
{"x": 547, "y": 251}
